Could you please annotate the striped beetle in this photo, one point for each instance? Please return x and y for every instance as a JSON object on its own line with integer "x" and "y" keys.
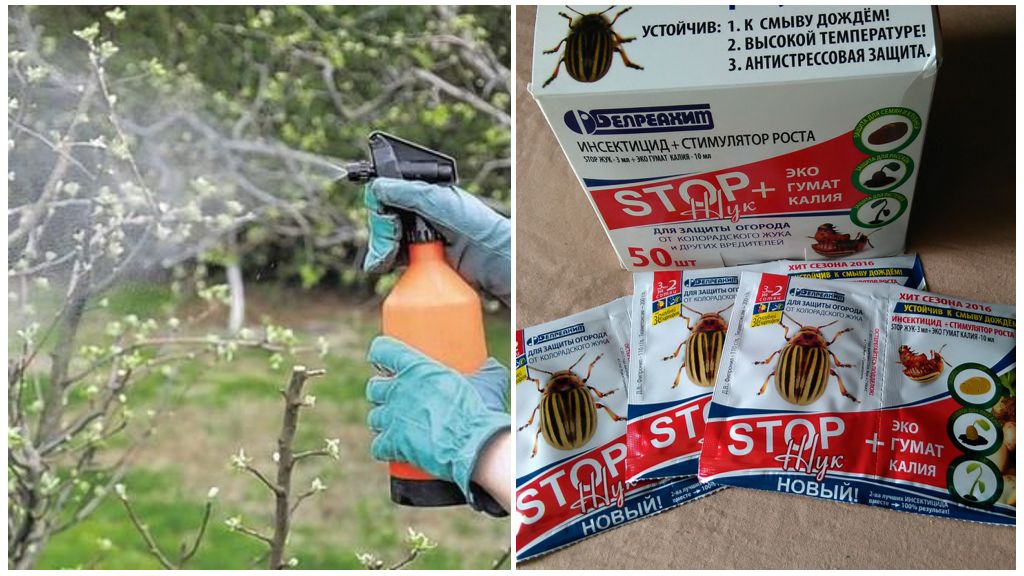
{"x": 568, "y": 416}
{"x": 802, "y": 371}
{"x": 703, "y": 348}
{"x": 591, "y": 45}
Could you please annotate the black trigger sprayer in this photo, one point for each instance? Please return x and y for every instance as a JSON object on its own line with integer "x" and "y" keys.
{"x": 431, "y": 307}
{"x": 393, "y": 157}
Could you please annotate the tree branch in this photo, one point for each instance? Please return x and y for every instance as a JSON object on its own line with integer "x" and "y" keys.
{"x": 466, "y": 96}
{"x": 286, "y": 462}
{"x": 500, "y": 560}
{"x": 143, "y": 531}
{"x": 309, "y": 454}
{"x": 266, "y": 481}
{"x": 200, "y": 534}
{"x": 29, "y": 220}
{"x": 413, "y": 554}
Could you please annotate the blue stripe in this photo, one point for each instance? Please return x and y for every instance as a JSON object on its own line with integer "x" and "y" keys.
{"x": 686, "y": 467}
{"x": 869, "y": 491}
{"x": 595, "y": 182}
{"x": 671, "y": 493}
{"x": 722, "y": 411}
{"x": 524, "y": 479}
{"x": 641, "y": 410}
{"x": 916, "y": 279}
{"x": 1010, "y": 358}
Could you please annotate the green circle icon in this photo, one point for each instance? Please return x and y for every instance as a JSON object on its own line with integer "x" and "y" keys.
{"x": 882, "y": 173}
{"x": 887, "y": 130}
{"x": 981, "y": 400}
{"x": 975, "y": 482}
{"x": 878, "y": 210}
{"x": 975, "y": 431}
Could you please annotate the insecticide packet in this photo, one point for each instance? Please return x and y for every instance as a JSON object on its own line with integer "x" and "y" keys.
{"x": 903, "y": 270}
{"x": 681, "y": 321}
{"x": 867, "y": 393}
{"x": 571, "y": 445}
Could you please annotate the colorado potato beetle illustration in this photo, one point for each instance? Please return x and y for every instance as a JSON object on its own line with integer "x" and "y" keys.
{"x": 829, "y": 242}
{"x": 590, "y": 46}
{"x": 568, "y": 416}
{"x": 703, "y": 348}
{"x": 805, "y": 364}
{"x": 919, "y": 367}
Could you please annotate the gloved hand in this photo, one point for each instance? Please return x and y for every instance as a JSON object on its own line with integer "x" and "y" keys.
{"x": 478, "y": 239}
{"x": 431, "y": 416}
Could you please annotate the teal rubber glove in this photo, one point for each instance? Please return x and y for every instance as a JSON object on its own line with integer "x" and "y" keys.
{"x": 431, "y": 416}
{"x": 478, "y": 239}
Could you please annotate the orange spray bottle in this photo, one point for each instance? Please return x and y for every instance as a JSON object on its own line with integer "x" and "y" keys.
{"x": 431, "y": 307}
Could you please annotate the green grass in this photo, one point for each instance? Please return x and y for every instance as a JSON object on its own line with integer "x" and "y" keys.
{"x": 173, "y": 517}
{"x": 236, "y": 404}
{"x": 139, "y": 298}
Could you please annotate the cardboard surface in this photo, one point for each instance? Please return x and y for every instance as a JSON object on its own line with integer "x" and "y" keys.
{"x": 962, "y": 225}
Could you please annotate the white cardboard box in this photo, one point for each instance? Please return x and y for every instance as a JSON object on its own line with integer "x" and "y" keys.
{"x": 751, "y": 133}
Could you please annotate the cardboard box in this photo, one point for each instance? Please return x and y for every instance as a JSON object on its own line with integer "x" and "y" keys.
{"x": 711, "y": 136}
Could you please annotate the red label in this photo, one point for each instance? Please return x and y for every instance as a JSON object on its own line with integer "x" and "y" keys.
{"x": 666, "y": 284}
{"x": 908, "y": 444}
{"x": 816, "y": 178}
{"x": 772, "y": 288}
{"x": 587, "y": 482}
{"x": 664, "y": 436}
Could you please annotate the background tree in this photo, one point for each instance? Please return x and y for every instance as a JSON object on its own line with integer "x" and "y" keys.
{"x": 196, "y": 147}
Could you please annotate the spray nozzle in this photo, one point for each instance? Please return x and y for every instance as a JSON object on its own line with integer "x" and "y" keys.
{"x": 392, "y": 157}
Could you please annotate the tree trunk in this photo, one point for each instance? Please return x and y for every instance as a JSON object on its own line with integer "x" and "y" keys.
{"x": 236, "y": 317}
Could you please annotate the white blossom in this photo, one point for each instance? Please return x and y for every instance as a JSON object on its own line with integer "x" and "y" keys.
{"x": 116, "y": 15}
{"x": 37, "y": 73}
{"x": 212, "y": 493}
{"x": 333, "y": 447}
{"x": 48, "y": 482}
{"x": 88, "y": 33}
{"x": 419, "y": 541}
{"x": 14, "y": 437}
{"x": 121, "y": 492}
{"x": 369, "y": 561}
{"x": 240, "y": 461}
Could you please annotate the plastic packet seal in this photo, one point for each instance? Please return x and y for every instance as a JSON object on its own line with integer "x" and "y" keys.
{"x": 570, "y": 446}
{"x": 680, "y": 323}
{"x": 867, "y": 393}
